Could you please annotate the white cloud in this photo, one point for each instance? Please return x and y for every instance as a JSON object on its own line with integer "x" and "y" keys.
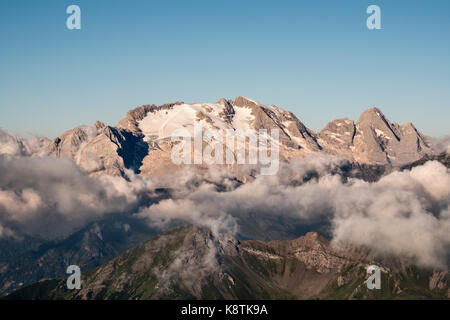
{"x": 404, "y": 213}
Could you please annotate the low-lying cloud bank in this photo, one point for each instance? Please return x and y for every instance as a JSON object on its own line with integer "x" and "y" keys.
{"x": 404, "y": 213}
{"x": 50, "y": 197}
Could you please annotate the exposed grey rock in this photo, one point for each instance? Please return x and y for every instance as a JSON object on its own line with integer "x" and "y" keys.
{"x": 337, "y": 137}
{"x": 379, "y": 141}
{"x": 375, "y": 140}
{"x": 293, "y": 133}
{"x": 101, "y": 149}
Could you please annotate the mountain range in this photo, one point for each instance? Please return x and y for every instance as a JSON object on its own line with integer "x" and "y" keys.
{"x": 141, "y": 141}
{"x": 346, "y": 174}
{"x": 193, "y": 263}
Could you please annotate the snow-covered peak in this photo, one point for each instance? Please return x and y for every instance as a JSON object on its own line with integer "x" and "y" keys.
{"x": 243, "y": 114}
{"x": 161, "y": 123}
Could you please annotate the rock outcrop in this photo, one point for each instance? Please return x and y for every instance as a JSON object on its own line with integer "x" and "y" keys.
{"x": 101, "y": 149}
{"x": 378, "y": 141}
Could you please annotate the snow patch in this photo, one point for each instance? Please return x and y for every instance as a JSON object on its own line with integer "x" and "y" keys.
{"x": 243, "y": 118}
{"x": 381, "y": 133}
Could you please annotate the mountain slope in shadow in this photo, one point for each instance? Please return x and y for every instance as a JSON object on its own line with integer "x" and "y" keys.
{"x": 193, "y": 263}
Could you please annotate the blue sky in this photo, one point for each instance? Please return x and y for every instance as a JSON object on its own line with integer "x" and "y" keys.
{"x": 315, "y": 58}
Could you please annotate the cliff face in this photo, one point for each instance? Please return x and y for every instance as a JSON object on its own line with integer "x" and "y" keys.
{"x": 101, "y": 149}
{"x": 375, "y": 140}
{"x": 379, "y": 141}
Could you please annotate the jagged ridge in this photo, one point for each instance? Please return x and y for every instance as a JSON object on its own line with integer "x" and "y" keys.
{"x": 191, "y": 262}
{"x": 141, "y": 141}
